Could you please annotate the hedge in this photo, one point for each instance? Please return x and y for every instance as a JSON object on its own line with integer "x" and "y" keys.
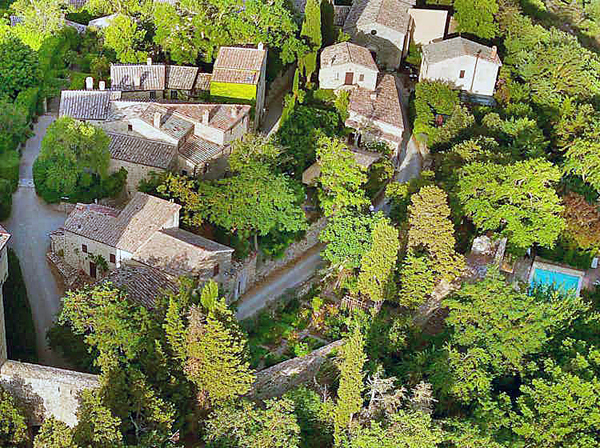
{"x": 9, "y": 168}
{"x": 30, "y": 100}
{"x": 20, "y": 331}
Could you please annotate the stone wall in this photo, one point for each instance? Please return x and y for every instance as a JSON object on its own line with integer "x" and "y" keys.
{"x": 135, "y": 173}
{"x": 46, "y": 391}
{"x": 280, "y": 378}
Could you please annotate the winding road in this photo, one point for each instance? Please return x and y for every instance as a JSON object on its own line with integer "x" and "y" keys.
{"x": 30, "y": 223}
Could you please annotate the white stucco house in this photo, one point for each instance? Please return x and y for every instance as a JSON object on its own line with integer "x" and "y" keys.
{"x": 347, "y": 64}
{"x": 468, "y": 65}
{"x": 383, "y": 27}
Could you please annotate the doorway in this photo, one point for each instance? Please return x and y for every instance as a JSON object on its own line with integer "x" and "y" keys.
{"x": 349, "y": 78}
{"x": 92, "y": 270}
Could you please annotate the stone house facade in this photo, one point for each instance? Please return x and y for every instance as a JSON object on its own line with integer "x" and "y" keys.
{"x": 347, "y": 64}
{"x": 465, "y": 64}
{"x": 383, "y": 27}
{"x": 97, "y": 239}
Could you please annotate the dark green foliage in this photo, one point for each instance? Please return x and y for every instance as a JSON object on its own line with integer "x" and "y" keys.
{"x": 73, "y": 347}
{"x": 432, "y": 99}
{"x": 6, "y": 191}
{"x": 14, "y": 128}
{"x": 13, "y": 425}
{"x": 20, "y": 331}
{"x": 19, "y": 67}
{"x": 9, "y": 168}
{"x": 30, "y": 100}
{"x": 315, "y": 430}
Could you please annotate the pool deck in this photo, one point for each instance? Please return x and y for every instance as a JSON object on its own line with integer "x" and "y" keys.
{"x": 540, "y": 263}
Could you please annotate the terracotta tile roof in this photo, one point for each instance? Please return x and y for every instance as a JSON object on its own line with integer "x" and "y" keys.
{"x": 170, "y": 123}
{"x": 4, "y": 237}
{"x": 86, "y": 104}
{"x": 179, "y": 252}
{"x": 127, "y": 230}
{"x": 78, "y": 4}
{"x": 150, "y": 77}
{"x": 203, "y": 81}
{"x": 142, "y": 151}
{"x": 346, "y": 52}
{"x": 382, "y": 105}
{"x": 392, "y": 14}
{"x": 181, "y": 77}
{"x": 238, "y": 65}
{"x": 221, "y": 116}
{"x": 197, "y": 150}
{"x": 143, "y": 284}
{"x": 456, "y": 47}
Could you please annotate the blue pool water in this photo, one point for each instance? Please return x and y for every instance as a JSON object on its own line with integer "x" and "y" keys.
{"x": 559, "y": 280}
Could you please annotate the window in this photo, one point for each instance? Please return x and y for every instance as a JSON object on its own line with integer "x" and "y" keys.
{"x": 184, "y": 172}
{"x": 113, "y": 259}
{"x": 337, "y": 76}
{"x": 373, "y": 32}
{"x": 462, "y": 74}
{"x": 152, "y": 95}
{"x": 216, "y": 269}
{"x": 84, "y": 248}
{"x": 361, "y": 77}
{"x": 173, "y": 94}
{"x": 130, "y": 127}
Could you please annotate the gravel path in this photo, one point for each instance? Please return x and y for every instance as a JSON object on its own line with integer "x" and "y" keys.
{"x": 30, "y": 222}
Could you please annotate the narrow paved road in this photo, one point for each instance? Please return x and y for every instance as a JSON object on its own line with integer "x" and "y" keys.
{"x": 274, "y": 286}
{"x": 30, "y": 222}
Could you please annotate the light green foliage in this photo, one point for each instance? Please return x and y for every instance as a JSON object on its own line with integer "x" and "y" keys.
{"x": 255, "y": 200}
{"x": 376, "y": 278}
{"x": 70, "y": 149}
{"x": 476, "y": 17}
{"x": 583, "y": 159}
{"x": 463, "y": 434}
{"x": 351, "y": 360}
{"x": 431, "y": 98}
{"x": 41, "y": 19}
{"x": 13, "y": 426}
{"x": 400, "y": 194}
{"x": 209, "y": 298}
{"x": 342, "y": 99}
{"x": 341, "y": 177}
{"x": 217, "y": 355}
{"x": 175, "y": 329}
{"x": 311, "y": 31}
{"x": 108, "y": 7}
{"x": 561, "y": 408}
{"x": 97, "y": 427}
{"x": 404, "y": 429}
{"x": 254, "y": 150}
{"x": 231, "y": 90}
{"x": 125, "y": 37}
{"x": 54, "y": 434}
{"x": 517, "y": 200}
{"x": 418, "y": 279}
{"x": 197, "y": 28}
{"x": 19, "y": 67}
{"x": 521, "y": 136}
{"x": 348, "y": 236}
{"x": 108, "y": 321}
{"x": 244, "y": 424}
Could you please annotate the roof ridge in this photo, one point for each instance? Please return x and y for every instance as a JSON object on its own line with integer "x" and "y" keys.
{"x": 225, "y": 248}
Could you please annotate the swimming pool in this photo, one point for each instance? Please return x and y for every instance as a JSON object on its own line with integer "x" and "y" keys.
{"x": 560, "y": 280}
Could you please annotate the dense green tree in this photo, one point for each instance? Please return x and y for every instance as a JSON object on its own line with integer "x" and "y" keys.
{"x": 377, "y": 266}
{"x": 313, "y": 417}
{"x": 125, "y": 37}
{"x": 582, "y": 159}
{"x": 217, "y": 354}
{"x": 13, "y": 426}
{"x": 253, "y": 150}
{"x": 54, "y": 434}
{"x": 476, "y": 17}
{"x": 40, "y": 19}
{"x": 348, "y": 236}
{"x": 517, "y": 200}
{"x": 431, "y": 98}
{"x": 19, "y": 67}
{"x": 351, "y": 360}
{"x": 520, "y": 135}
{"x": 244, "y": 424}
{"x": 71, "y": 150}
{"x": 311, "y": 31}
{"x": 417, "y": 279}
{"x": 13, "y": 125}
{"x": 341, "y": 178}
{"x": 108, "y": 7}
{"x": 96, "y": 427}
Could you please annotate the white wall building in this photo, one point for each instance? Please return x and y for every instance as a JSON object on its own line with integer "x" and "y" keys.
{"x": 347, "y": 64}
{"x": 467, "y": 65}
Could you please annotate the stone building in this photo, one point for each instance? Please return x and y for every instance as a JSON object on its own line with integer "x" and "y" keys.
{"x": 192, "y": 138}
{"x": 347, "y": 64}
{"x": 383, "y": 27}
{"x": 44, "y": 391}
{"x": 467, "y": 65}
{"x": 241, "y": 74}
{"x": 98, "y": 239}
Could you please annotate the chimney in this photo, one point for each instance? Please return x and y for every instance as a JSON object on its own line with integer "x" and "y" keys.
{"x": 205, "y": 117}
{"x": 157, "y": 119}
{"x": 89, "y": 83}
{"x": 494, "y": 52}
{"x": 137, "y": 81}
{"x": 149, "y": 61}
{"x": 261, "y": 46}
{"x": 102, "y": 85}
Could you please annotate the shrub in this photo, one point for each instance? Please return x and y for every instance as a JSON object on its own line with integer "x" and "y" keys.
{"x": 20, "y": 331}
{"x": 30, "y": 100}
{"x": 9, "y": 168}
{"x": 5, "y": 199}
